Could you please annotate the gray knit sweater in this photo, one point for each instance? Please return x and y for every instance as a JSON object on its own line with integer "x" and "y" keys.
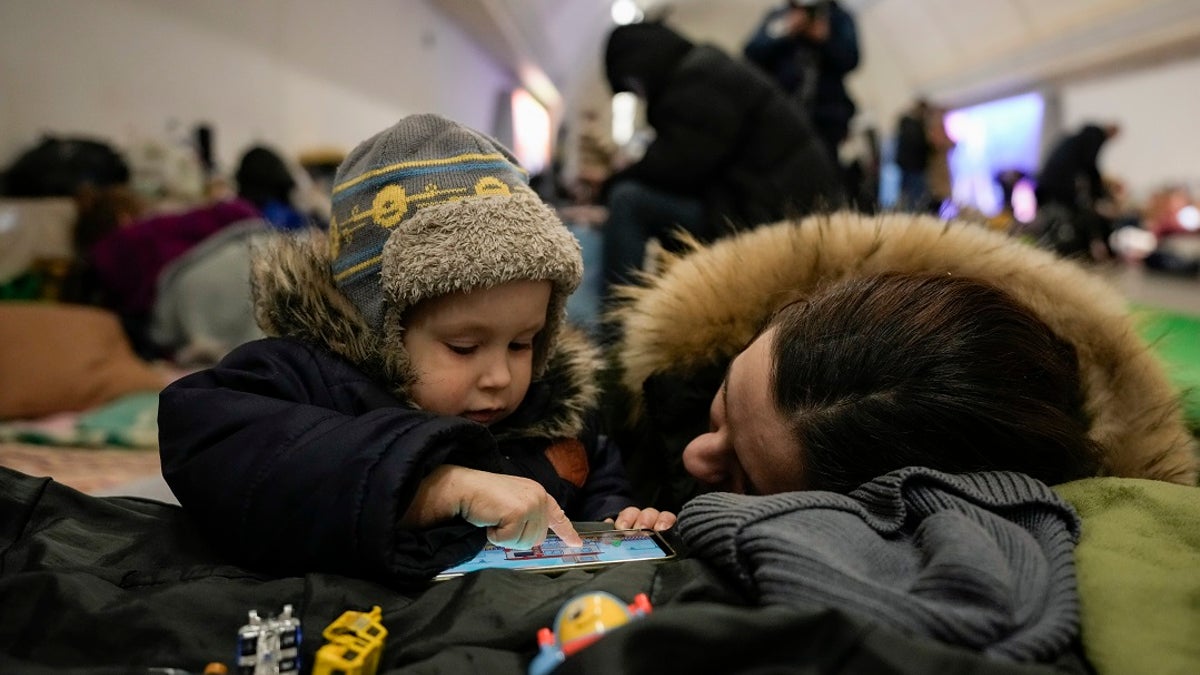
{"x": 979, "y": 560}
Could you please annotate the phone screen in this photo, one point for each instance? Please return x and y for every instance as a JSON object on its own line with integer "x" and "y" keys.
{"x": 599, "y": 549}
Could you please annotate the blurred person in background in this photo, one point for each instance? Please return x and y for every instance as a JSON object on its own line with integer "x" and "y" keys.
{"x": 730, "y": 151}
{"x": 808, "y": 47}
{"x": 1073, "y": 201}
{"x": 913, "y": 151}
{"x": 264, "y": 179}
{"x": 938, "y": 180}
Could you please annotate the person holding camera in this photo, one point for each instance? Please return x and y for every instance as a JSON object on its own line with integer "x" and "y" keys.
{"x": 808, "y": 47}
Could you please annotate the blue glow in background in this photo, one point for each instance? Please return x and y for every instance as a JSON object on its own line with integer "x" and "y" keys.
{"x": 993, "y": 137}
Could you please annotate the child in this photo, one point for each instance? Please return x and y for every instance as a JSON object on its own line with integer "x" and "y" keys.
{"x": 420, "y": 386}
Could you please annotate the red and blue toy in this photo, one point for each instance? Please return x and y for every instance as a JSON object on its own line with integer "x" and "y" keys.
{"x": 582, "y": 621}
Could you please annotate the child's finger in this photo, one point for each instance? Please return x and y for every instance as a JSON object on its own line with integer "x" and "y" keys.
{"x": 504, "y": 536}
{"x": 561, "y": 525}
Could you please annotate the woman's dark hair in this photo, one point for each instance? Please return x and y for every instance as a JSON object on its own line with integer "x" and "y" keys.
{"x": 882, "y": 372}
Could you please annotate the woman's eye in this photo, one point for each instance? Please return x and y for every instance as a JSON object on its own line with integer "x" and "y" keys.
{"x": 520, "y": 346}
{"x": 461, "y": 350}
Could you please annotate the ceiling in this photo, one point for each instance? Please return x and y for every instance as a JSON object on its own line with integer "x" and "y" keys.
{"x": 954, "y": 52}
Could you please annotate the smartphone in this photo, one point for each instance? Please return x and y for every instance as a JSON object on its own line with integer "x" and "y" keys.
{"x": 600, "y": 548}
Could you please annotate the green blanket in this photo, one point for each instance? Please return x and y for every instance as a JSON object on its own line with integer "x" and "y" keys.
{"x": 1138, "y": 566}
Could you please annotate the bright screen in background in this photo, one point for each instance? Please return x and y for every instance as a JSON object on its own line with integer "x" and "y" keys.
{"x": 990, "y": 138}
{"x": 531, "y": 132}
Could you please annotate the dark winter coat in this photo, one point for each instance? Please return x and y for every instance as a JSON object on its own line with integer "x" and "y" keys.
{"x": 724, "y": 133}
{"x": 787, "y": 59}
{"x": 299, "y": 453}
{"x": 1071, "y": 175}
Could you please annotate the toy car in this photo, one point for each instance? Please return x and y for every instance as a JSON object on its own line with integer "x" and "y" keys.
{"x": 354, "y": 644}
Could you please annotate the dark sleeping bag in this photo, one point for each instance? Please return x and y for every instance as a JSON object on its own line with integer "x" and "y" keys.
{"x": 123, "y": 585}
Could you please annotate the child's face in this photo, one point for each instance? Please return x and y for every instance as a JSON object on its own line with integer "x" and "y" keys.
{"x": 473, "y": 352}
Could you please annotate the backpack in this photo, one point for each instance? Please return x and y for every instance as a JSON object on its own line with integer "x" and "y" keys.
{"x": 912, "y": 147}
{"x": 58, "y": 167}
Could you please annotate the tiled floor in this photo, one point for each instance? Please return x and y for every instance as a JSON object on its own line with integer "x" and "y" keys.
{"x": 91, "y": 470}
{"x": 1179, "y": 294}
{"x": 150, "y": 487}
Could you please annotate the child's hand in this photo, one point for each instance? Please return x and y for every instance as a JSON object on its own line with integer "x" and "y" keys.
{"x": 633, "y": 518}
{"x": 516, "y": 511}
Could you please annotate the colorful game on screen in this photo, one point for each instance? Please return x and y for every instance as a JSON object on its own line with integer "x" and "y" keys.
{"x": 598, "y": 548}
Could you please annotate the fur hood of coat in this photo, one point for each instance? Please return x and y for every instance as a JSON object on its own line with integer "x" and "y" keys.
{"x": 705, "y": 303}
{"x": 295, "y": 296}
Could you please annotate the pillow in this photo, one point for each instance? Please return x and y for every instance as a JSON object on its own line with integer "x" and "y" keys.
{"x": 58, "y": 358}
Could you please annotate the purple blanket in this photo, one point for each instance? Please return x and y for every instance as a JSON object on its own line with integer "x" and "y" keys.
{"x": 129, "y": 260}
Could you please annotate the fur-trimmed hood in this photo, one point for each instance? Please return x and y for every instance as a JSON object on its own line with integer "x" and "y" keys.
{"x": 295, "y": 296}
{"x": 706, "y": 303}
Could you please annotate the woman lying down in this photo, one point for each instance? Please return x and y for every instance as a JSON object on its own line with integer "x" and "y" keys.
{"x": 886, "y": 443}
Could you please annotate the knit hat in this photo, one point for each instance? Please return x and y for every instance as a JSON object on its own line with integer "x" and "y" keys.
{"x": 429, "y": 207}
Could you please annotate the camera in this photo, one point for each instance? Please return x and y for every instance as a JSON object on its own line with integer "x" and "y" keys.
{"x": 814, "y": 8}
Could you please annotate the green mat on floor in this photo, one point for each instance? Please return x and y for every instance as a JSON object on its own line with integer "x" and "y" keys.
{"x": 1176, "y": 338}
